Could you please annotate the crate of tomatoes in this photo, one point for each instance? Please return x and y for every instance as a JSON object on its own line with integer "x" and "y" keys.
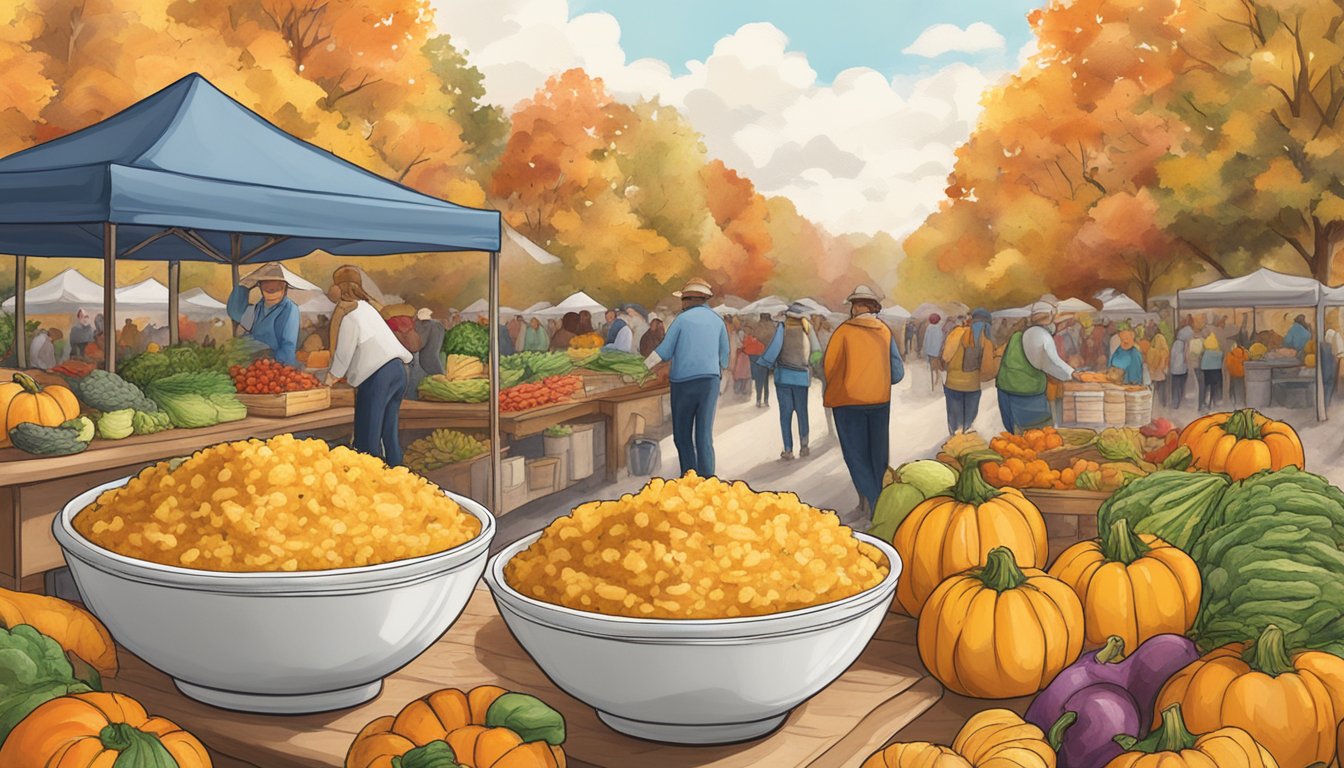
{"x": 548, "y": 391}
{"x": 275, "y": 390}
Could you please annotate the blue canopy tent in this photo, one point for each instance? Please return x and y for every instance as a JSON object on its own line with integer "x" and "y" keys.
{"x": 189, "y": 174}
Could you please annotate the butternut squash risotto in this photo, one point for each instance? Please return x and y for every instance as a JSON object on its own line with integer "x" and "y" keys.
{"x": 282, "y": 504}
{"x": 695, "y": 548}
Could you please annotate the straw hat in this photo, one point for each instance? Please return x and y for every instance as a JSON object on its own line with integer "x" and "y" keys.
{"x": 864, "y": 293}
{"x": 398, "y": 310}
{"x": 270, "y": 271}
{"x": 695, "y": 287}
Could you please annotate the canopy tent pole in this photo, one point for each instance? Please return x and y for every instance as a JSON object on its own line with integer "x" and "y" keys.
{"x": 496, "y": 457}
{"x": 110, "y": 296}
{"x": 1320, "y": 366}
{"x": 21, "y": 311}
{"x": 174, "y": 282}
{"x": 235, "y": 255}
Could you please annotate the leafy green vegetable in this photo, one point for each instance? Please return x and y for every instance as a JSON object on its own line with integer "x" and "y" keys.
{"x": 1121, "y": 445}
{"x": 115, "y": 425}
{"x": 1271, "y": 554}
{"x": 623, "y": 363}
{"x": 228, "y": 406}
{"x": 467, "y": 339}
{"x": 537, "y": 365}
{"x": 462, "y": 391}
{"x": 33, "y": 671}
{"x": 189, "y": 411}
{"x": 149, "y": 423}
{"x": 198, "y": 383}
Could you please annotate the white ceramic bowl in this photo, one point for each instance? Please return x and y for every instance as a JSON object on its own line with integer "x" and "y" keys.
{"x": 282, "y": 643}
{"x": 710, "y": 681}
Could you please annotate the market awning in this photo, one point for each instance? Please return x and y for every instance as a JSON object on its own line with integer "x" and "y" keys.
{"x": 1116, "y": 304}
{"x": 197, "y": 303}
{"x": 540, "y": 306}
{"x": 895, "y": 312}
{"x": 515, "y": 244}
{"x": 1262, "y": 288}
{"x": 193, "y": 163}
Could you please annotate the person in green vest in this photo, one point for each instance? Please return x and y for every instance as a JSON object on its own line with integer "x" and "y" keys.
{"x": 1029, "y": 358}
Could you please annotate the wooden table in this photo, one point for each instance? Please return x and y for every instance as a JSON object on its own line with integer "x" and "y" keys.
{"x": 876, "y": 697}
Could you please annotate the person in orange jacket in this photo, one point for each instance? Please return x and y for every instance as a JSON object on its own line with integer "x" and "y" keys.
{"x": 862, "y": 363}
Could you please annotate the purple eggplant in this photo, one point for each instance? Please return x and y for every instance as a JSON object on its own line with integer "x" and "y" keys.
{"x": 1106, "y": 694}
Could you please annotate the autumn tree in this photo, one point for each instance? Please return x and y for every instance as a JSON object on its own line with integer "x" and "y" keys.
{"x": 485, "y": 127}
{"x": 736, "y": 251}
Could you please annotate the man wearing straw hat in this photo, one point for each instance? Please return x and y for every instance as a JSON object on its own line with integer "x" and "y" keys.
{"x": 861, "y": 364}
{"x": 1029, "y": 361}
{"x": 696, "y": 344}
{"x": 275, "y": 318}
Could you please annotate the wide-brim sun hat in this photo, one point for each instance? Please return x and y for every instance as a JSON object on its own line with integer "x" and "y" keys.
{"x": 864, "y": 293}
{"x": 797, "y": 309}
{"x": 269, "y": 271}
{"x": 695, "y": 287}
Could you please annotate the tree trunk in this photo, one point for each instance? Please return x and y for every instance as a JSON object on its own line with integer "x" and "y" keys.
{"x": 1323, "y": 249}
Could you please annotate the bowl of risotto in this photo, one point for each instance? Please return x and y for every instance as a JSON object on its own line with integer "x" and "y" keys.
{"x": 695, "y": 611}
{"x": 278, "y": 576}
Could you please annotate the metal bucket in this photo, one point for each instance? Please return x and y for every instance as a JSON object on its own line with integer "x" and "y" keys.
{"x": 643, "y": 456}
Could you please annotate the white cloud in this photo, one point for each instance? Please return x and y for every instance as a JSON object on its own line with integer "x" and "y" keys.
{"x": 862, "y": 154}
{"x": 949, "y": 38}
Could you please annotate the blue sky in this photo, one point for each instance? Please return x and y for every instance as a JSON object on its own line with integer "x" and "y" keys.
{"x": 835, "y": 35}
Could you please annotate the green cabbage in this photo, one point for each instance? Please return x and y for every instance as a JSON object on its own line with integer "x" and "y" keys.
{"x": 467, "y": 339}
{"x": 229, "y": 407}
{"x": 33, "y": 671}
{"x": 115, "y": 425}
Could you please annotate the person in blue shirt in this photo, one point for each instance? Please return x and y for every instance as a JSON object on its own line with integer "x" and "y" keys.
{"x": 790, "y": 354}
{"x": 697, "y": 347}
{"x": 1297, "y": 337}
{"x": 275, "y": 317}
{"x": 1128, "y": 358}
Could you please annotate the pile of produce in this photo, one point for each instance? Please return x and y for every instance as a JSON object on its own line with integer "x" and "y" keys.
{"x": 558, "y": 430}
{"x": 622, "y": 363}
{"x": 194, "y": 400}
{"x": 190, "y": 358}
{"x": 1242, "y": 443}
{"x": 269, "y": 376}
{"x": 471, "y": 339}
{"x": 554, "y": 389}
{"x": 537, "y": 365}
{"x": 459, "y": 367}
{"x": 442, "y": 389}
{"x": 62, "y": 440}
{"x": 442, "y": 447}
{"x": 585, "y": 348}
{"x": 74, "y": 369}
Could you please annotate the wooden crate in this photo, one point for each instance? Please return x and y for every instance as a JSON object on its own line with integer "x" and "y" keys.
{"x": 287, "y": 403}
{"x": 1070, "y": 516}
{"x": 342, "y": 396}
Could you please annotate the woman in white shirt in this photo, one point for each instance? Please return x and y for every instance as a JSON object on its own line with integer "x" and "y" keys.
{"x": 368, "y": 355}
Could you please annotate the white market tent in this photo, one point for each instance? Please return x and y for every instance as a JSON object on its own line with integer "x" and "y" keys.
{"x": 482, "y": 307}
{"x": 67, "y": 292}
{"x": 1074, "y": 306}
{"x": 895, "y": 312}
{"x": 1118, "y": 305}
{"x": 770, "y": 305}
{"x": 816, "y": 306}
{"x": 196, "y": 303}
{"x": 733, "y": 302}
{"x": 724, "y": 310}
{"x": 1011, "y": 313}
{"x": 515, "y": 244}
{"x": 1267, "y": 288}
{"x": 145, "y": 296}
{"x": 577, "y": 302}
{"x": 540, "y": 306}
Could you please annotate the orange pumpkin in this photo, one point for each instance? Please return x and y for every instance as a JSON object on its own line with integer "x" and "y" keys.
{"x": 946, "y": 535}
{"x": 23, "y": 400}
{"x": 1290, "y": 705}
{"x": 1133, "y": 586}
{"x": 479, "y": 728}
{"x": 91, "y": 730}
{"x": 1173, "y": 746}
{"x": 73, "y": 628}
{"x": 1241, "y": 443}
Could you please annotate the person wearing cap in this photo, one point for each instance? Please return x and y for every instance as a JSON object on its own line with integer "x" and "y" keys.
{"x": 862, "y": 363}
{"x": 369, "y": 356}
{"x": 789, "y": 353}
{"x": 968, "y": 355}
{"x": 933, "y": 349}
{"x": 1030, "y": 359}
{"x": 697, "y": 347}
{"x": 274, "y": 317}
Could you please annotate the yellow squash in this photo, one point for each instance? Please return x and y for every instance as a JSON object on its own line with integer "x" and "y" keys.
{"x": 1000, "y": 631}
{"x": 1133, "y": 586}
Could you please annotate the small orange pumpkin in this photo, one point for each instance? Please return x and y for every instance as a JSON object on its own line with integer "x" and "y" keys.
{"x": 1173, "y": 746}
{"x": 947, "y": 535}
{"x": 1133, "y": 586}
{"x": 99, "y": 729}
{"x": 477, "y": 729}
{"x": 1241, "y": 443}
{"x": 23, "y": 400}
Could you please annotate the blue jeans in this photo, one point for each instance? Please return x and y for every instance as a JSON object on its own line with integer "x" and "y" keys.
{"x": 1178, "y": 389}
{"x": 962, "y": 408}
{"x": 378, "y": 411}
{"x": 693, "y": 406}
{"x": 792, "y": 399}
{"x": 862, "y": 430}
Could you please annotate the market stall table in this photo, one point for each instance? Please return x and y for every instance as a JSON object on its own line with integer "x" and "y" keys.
{"x": 881, "y": 693}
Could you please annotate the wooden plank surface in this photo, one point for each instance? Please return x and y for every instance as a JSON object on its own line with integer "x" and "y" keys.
{"x": 879, "y": 695}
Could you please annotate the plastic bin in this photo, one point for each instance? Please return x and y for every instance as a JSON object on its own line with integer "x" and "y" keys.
{"x": 581, "y": 453}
